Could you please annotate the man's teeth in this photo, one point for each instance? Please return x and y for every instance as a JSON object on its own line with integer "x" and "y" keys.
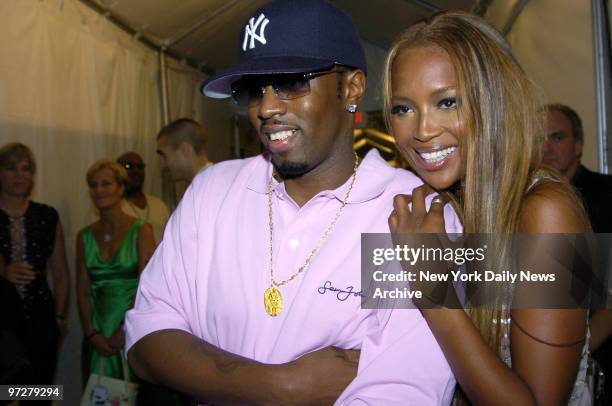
{"x": 437, "y": 155}
{"x": 281, "y": 135}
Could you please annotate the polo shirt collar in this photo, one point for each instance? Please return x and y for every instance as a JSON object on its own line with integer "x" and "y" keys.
{"x": 373, "y": 176}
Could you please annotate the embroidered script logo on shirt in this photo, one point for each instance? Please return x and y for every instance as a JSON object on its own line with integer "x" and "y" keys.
{"x": 341, "y": 294}
{"x": 250, "y": 31}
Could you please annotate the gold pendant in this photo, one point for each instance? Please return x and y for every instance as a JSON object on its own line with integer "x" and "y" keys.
{"x": 273, "y": 301}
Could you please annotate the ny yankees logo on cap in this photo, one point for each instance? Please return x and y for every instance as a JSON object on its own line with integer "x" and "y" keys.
{"x": 291, "y": 36}
{"x": 250, "y": 31}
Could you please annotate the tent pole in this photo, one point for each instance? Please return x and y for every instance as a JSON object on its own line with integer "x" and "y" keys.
{"x": 517, "y": 9}
{"x": 169, "y": 191}
{"x": 163, "y": 81}
{"x": 603, "y": 72}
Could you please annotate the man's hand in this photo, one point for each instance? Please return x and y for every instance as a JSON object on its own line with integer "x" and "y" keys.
{"x": 318, "y": 378}
{"x": 19, "y": 273}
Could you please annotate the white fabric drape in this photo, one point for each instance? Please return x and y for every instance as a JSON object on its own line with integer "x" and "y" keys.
{"x": 76, "y": 88}
{"x": 553, "y": 41}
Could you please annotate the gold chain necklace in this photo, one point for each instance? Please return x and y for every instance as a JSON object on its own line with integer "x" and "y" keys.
{"x": 273, "y": 300}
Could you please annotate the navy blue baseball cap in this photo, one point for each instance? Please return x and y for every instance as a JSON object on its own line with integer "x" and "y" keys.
{"x": 292, "y": 36}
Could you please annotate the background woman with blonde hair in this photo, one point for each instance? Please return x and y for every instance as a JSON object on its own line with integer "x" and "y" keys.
{"x": 31, "y": 240}
{"x": 111, "y": 253}
{"x": 464, "y": 116}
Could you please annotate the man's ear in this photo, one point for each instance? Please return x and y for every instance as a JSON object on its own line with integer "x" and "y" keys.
{"x": 355, "y": 81}
{"x": 578, "y": 148}
{"x": 186, "y": 149}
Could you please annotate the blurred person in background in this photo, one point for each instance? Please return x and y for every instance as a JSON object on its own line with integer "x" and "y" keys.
{"x": 31, "y": 241}
{"x": 138, "y": 204}
{"x": 563, "y": 151}
{"x": 110, "y": 254}
{"x": 181, "y": 146}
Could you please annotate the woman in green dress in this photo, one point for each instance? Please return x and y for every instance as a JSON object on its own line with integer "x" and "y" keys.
{"x": 111, "y": 253}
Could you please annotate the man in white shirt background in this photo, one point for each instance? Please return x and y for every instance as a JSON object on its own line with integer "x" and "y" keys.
{"x": 138, "y": 204}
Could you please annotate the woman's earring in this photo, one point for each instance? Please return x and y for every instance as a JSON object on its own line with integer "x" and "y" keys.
{"x": 351, "y": 108}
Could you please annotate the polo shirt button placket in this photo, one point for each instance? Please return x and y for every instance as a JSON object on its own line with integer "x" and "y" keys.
{"x": 294, "y": 243}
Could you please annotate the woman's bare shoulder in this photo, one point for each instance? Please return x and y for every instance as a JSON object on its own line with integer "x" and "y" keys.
{"x": 552, "y": 207}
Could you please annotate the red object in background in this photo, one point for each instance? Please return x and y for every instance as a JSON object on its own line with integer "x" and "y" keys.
{"x": 358, "y": 117}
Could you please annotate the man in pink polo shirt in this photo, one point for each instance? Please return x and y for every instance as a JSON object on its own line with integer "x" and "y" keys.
{"x": 254, "y": 295}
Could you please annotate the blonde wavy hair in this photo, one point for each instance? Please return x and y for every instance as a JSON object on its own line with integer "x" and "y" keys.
{"x": 501, "y": 147}
{"x": 119, "y": 172}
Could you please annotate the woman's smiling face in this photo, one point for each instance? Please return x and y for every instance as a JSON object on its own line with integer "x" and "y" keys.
{"x": 425, "y": 120}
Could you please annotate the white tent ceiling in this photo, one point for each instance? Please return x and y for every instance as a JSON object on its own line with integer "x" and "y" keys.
{"x": 204, "y": 32}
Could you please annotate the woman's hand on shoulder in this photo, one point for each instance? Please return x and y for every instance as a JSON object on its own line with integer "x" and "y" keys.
{"x": 410, "y": 216}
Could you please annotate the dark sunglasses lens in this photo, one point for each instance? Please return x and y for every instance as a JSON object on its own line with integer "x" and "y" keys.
{"x": 246, "y": 94}
{"x": 134, "y": 166}
{"x": 249, "y": 93}
{"x": 291, "y": 87}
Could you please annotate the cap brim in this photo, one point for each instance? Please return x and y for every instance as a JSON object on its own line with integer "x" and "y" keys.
{"x": 220, "y": 86}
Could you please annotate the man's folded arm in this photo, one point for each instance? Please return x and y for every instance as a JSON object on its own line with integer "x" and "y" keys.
{"x": 184, "y": 362}
{"x": 400, "y": 364}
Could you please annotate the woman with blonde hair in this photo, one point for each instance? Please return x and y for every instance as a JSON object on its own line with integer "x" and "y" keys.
{"x": 31, "y": 241}
{"x": 111, "y": 253}
{"x": 464, "y": 116}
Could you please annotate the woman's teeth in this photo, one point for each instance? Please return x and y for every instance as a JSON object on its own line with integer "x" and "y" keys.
{"x": 281, "y": 135}
{"x": 437, "y": 156}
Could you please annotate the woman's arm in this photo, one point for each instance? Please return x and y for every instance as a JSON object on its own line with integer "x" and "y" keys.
{"x": 541, "y": 373}
{"x": 146, "y": 245}
{"x": 82, "y": 288}
{"x": 547, "y": 343}
{"x": 601, "y": 328}
{"x": 483, "y": 376}
{"x": 61, "y": 277}
{"x": 99, "y": 342}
